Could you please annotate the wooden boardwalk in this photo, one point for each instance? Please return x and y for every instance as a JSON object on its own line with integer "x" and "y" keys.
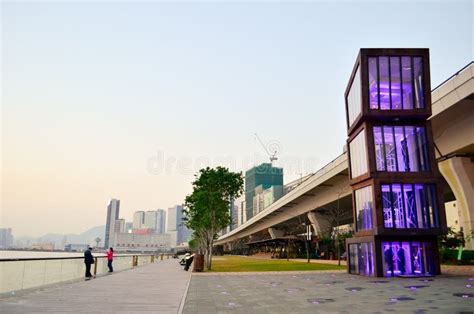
{"x": 154, "y": 288}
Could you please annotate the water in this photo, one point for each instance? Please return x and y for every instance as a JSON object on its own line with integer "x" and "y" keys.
{"x": 25, "y": 274}
{"x": 33, "y": 254}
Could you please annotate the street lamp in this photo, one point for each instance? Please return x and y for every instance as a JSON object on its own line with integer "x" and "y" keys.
{"x": 97, "y": 241}
{"x": 308, "y": 239}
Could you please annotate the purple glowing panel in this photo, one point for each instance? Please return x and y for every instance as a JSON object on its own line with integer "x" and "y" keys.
{"x": 401, "y": 148}
{"x": 407, "y": 258}
{"x": 366, "y": 259}
{"x": 390, "y": 149}
{"x": 407, "y": 83}
{"x": 384, "y": 83}
{"x": 410, "y": 206}
{"x": 387, "y": 206}
{"x": 397, "y": 206}
{"x": 364, "y": 208}
{"x": 361, "y": 259}
{"x": 395, "y": 83}
{"x": 379, "y": 149}
{"x": 373, "y": 84}
{"x": 353, "y": 259}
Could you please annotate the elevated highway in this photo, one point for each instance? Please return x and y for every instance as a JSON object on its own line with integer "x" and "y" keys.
{"x": 328, "y": 190}
{"x": 312, "y": 198}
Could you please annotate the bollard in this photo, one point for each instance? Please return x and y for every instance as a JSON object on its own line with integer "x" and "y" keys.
{"x": 95, "y": 266}
{"x": 161, "y": 256}
{"x": 152, "y": 258}
{"x": 134, "y": 261}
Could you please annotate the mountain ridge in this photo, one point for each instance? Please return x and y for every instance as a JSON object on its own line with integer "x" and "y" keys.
{"x": 60, "y": 239}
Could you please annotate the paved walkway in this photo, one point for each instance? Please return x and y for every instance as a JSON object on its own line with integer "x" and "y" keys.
{"x": 317, "y": 292}
{"x": 154, "y": 288}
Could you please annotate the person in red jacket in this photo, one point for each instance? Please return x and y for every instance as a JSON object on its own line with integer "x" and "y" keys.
{"x": 110, "y": 258}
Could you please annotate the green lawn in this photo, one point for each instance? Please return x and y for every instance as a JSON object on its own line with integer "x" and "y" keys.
{"x": 243, "y": 264}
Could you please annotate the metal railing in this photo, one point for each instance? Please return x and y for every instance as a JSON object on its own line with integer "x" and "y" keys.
{"x": 18, "y": 274}
{"x": 455, "y": 74}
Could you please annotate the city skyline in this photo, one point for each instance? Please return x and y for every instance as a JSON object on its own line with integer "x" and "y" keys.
{"x": 150, "y": 73}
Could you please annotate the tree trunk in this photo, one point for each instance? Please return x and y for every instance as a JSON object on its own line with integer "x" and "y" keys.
{"x": 307, "y": 250}
{"x": 338, "y": 253}
{"x": 209, "y": 265}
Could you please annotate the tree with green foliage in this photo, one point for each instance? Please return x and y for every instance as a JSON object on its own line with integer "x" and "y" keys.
{"x": 207, "y": 207}
{"x": 451, "y": 240}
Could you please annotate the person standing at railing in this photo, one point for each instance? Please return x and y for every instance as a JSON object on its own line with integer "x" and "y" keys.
{"x": 88, "y": 260}
{"x": 110, "y": 259}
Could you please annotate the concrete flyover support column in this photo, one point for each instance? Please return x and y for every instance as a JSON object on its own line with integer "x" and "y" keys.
{"x": 459, "y": 173}
{"x": 228, "y": 246}
{"x": 320, "y": 224}
{"x": 275, "y": 233}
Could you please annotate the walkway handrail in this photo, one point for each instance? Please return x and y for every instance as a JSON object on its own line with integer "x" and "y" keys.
{"x": 20, "y": 259}
{"x": 26, "y": 273}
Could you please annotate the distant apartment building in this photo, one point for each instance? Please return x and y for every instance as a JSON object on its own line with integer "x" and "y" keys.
{"x": 172, "y": 225}
{"x": 6, "y": 238}
{"x": 160, "y": 221}
{"x": 257, "y": 200}
{"x": 265, "y": 197}
{"x": 272, "y": 194}
{"x": 150, "y": 219}
{"x": 141, "y": 242}
{"x": 233, "y": 217}
{"x": 113, "y": 209}
{"x": 119, "y": 225}
{"x": 138, "y": 219}
{"x": 264, "y": 175}
{"x": 171, "y": 220}
{"x": 236, "y": 212}
{"x": 241, "y": 212}
{"x": 156, "y": 220}
{"x": 175, "y": 226}
{"x": 262, "y": 199}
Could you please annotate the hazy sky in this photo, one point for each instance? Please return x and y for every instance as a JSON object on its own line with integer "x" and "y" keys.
{"x": 128, "y": 100}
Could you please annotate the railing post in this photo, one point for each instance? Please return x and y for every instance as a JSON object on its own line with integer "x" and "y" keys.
{"x": 95, "y": 266}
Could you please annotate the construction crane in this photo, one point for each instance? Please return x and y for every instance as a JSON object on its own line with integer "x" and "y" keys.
{"x": 271, "y": 155}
